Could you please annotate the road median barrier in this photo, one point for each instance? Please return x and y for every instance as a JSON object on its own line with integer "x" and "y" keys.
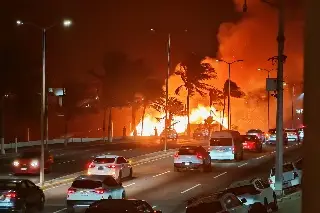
{"x": 68, "y": 179}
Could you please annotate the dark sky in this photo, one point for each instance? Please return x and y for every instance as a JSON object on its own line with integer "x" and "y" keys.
{"x": 105, "y": 25}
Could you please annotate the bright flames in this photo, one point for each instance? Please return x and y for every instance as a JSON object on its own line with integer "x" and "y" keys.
{"x": 197, "y": 116}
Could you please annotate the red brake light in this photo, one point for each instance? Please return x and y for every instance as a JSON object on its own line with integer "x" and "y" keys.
{"x": 99, "y": 191}
{"x": 112, "y": 166}
{"x": 176, "y": 155}
{"x": 92, "y": 165}
{"x": 232, "y": 150}
{"x": 10, "y": 195}
{"x": 71, "y": 191}
{"x": 199, "y": 156}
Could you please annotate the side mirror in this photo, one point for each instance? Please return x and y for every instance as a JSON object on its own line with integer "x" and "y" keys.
{"x": 243, "y": 200}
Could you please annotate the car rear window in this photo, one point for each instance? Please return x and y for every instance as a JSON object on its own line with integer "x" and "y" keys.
{"x": 286, "y": 168}
{"x": 8, "y": 185}
{"x": 221, "y": 142}
{"x": 254, "y": 131}
{"x": 189, "y": 151}
{"x": 246, "y": 189}
{"x": 86, "y": 184}
{"x": 104, "y": 160}
{"x": 214, "y": 206}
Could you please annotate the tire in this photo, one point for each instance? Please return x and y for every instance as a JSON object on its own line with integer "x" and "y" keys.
{"x": 130, "y": 174}
{"x": 119, "y": 177}
{"x": 175, "y": 169}
{"x": 110, "y": 198}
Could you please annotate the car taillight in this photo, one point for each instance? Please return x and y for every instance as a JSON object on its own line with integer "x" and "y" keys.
{"x": 199, "y": 156}
{"x": 111, "y": 166}
{"x": 99, "y": 191}
{"x": 92, "y": 165}
{"x": 232, "y": 150}
{"x": 176, "y": 155}
{"x": 71, "y": 191}
{"x": 11, "y": 195}
{"x": 270, "y": 181}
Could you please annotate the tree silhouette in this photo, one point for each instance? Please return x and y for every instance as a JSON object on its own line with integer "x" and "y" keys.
{"x": 194, "y": 73}
{"x": 175, "y": 108}
{"x": 235, "y": 92}
{"x": 120, "y": 81}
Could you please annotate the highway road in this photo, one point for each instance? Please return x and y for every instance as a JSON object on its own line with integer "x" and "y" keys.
{"x": 168, "y": 191}
{"x": 68, "y": 161}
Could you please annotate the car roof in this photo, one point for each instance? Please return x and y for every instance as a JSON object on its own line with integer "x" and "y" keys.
{"x": 225, "y": 134}
{"x": 93, "y": 177}
{"x": 107, "y": 156}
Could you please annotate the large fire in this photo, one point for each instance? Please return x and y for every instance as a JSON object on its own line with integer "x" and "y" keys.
{"x": 197, "y": 116}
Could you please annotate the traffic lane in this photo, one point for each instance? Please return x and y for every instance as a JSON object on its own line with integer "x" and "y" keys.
{"x": 150, "y": 176}
{"x": 175, "y": 202}
{"x": 73, "y": 166}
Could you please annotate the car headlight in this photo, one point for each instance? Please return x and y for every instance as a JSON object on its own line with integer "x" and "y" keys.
{"x": 34, "y": 163}
{"x": 16, "y": 163}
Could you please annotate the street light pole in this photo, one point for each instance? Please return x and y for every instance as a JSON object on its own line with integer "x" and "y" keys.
{"x": 292, "y": 106}
{"x": 2, "y": 125}
{"x": 43, "y": 113}
{"x": 167, "y": 92}
{"x": 229, "y": 88}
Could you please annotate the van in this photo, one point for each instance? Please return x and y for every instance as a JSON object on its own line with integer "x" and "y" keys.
{"x": 226, "y": 145}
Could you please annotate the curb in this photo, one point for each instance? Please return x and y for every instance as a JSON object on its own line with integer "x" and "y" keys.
{"x": 69, "y": 178}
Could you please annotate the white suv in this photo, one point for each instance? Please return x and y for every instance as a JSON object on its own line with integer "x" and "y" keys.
{"x": 114, "y": 165}
{"x": 86, "y": 189}
{"x": 290, "y": 176}
{"x": 192, "y": 158}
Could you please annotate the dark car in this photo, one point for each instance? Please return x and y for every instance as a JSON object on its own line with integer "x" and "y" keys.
{"x": 20, "y": 195}
{"x": 258, "y": 133}
{"x": 29, "y": 162}
{"x": 120, "y": 206}
{"x": 252, "y": 143}
{"x": 171, "y": 135}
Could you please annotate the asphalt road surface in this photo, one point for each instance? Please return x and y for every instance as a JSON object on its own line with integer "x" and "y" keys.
{"x": 68, "y": 161}
{"x": 166, "y": 190}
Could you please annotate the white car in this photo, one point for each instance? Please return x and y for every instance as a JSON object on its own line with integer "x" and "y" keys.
{"x": 192, "y": 158}
{"x": 114, "y": 165}
{"x": 290, "y": 176}
{"x": 86, "y": 189}
{"x": 255, "y": 190}
{"x": 219, "y": 202}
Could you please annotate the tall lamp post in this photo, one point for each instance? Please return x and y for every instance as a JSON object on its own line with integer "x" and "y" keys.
{"x": 229, "y": 80}
{"x": 66, "y": 23}
{"x": 268, "y": 71}
{"x": 167, "y": 87}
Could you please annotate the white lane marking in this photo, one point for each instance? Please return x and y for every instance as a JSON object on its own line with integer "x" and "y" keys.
{"x": 242, "y": 165}
{"x": 60, "y": 210}
{"x": 131, "y": 184}
{"x": 161, "y": 174}
{"x": 260, "y": 157}
{"x": 154, "y": 207}
{"x": 124, "y": 150}
{"x": 195, "y": 186}
{"x": 287, "y": 147}
{"x": 220, "y": 175}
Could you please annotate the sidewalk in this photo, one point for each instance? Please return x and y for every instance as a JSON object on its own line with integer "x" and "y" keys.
{"x": 290, "y": 203}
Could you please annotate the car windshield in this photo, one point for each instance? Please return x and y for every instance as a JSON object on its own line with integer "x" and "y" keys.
{"x": 246, "y": 189}
{"x": 8, "y": 185}
{"x": 104, "y": 160}
{"x": 86, "y": 184}
{"x": 30, "y": 154}
{"x": 187, "y": 151}
{"x": 286, "y": 168}
{"x": 221, "y": 142}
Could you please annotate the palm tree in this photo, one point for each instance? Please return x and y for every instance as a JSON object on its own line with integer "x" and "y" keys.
{"x": 193, "y": 73}
{"x": 235, "y": 92}
{"x": 175, "y": 108}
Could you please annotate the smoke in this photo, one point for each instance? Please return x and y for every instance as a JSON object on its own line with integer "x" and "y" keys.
{"x": 253, "y": 39}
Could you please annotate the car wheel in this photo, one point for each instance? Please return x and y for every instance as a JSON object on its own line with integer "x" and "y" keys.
{"x": 110, "y": 197}
{"x": 70, "y": 209}
{"x": 175, "y": 169}
{"x": 130, "y": 173}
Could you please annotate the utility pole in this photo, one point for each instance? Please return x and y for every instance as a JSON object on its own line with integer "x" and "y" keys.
{"x": 292, "y": 106}
{"x": 2, "y": 124}
{"x": 167, "y": 92}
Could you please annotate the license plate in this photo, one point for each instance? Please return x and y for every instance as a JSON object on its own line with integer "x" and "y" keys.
{"x": 23, "y": 169}
{"x": 100, "y": 168}
{"x": 187, "y": 164}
